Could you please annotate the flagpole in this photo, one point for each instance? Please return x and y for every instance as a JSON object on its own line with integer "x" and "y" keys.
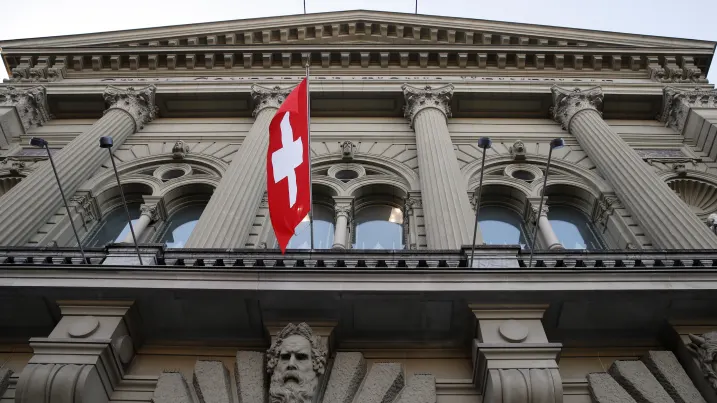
{"x": 308, "y": 129}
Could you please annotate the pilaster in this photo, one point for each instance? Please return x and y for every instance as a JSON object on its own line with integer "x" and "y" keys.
{"x": 229, "y": 215}
{"x": 79, "y": 160}
{"x": 668, "y": 221}
{"x": 513, "y": 361}
{"x": 678, "y": 103}
{"x": 85, "y": 357}
{"x": 443, "y": 188}
{"x": 30, "y": 105}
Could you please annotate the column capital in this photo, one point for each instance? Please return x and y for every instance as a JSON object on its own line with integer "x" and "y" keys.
{"x": 139, "y": 104}
{"x": 30, "y": 103}
{"x": 418, "y": 99}
{"x": 343, "y": 206}
{"x": 268, "y": 97}
{"x": 150, "y": 210}
{"x": 676, "y": 105}
{"x": 567, "y": 103}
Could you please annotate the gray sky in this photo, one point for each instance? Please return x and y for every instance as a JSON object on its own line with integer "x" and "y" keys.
{"x": 38, "y": 18}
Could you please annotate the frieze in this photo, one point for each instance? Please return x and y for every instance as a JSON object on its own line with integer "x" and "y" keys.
{"x": 452, "y": 79}
{"x": 650, "y": 154}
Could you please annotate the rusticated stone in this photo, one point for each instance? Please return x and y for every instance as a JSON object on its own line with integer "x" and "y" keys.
{"x": 383, "y": 383}
{"x": 172, "y": 388}
{"x": 639, "y": 382}
{"x": 604, "y": 389}
{"x": 250, "y": 376}
{"x": 668, "y": 371}
{"x": 421, "y": 388}
{"x": 211, "y": 382}
{"x": 4, "y": 379}
{"x": 347, "y": 373}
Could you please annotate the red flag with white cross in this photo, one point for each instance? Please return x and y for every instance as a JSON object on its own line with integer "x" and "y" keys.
{"x": 287, "y": 163}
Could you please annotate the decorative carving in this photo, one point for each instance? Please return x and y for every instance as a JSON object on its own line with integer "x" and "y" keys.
{"x": 347, "y": 150}
{"x": 604, "y": 209}
{"x": 139, "y": 104}
{"x": 700, "y": 195}
{"x": 418, "y": 99}
{"x": 518, "y": 150}
{"x": 525, "y": 385}
{"x": 342, "y": 210}
{"x": 268, "y": 97}
{"x": 85, "y": 204}
{"x": 295, "y": 361}
{"x": 677, "y": 103}
{"x": 12, "y": 167}
{"x": 31, "y": 104}
{"x": 680, "y": 168}
{"x": 150, "y": 210}
{"x": 180, "y": 150}
{"x": 704, "y": 349}
{"x": 566, "y": 103}
{"x": 712, "y": 222}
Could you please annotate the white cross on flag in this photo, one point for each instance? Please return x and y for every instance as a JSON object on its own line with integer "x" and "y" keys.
{"x": 288, "y": 184}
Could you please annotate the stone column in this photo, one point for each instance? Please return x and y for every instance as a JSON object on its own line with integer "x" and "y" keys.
{"x": 128, "y": 110}
{"x": 229, "y": 215}
{"x": 513, "y": 361}
{"x": 148, "y": 214}
{"x": 547, "y": 235}
{"x": 342, "y": 210}
{"x": 449, "y": 222}
{"x": 668, "y": 221}
{"x": 85, "y": 357}
{"x": 410, "y": 221}
{"x": 21, "y": 110}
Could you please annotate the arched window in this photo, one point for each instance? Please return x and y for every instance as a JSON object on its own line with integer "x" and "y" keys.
{"x": 323, "y": 230}
{"x": 501, "y": 226}
{"x": 573, "y": 228}
{"x": 113, "y": 227}
{"x": 180, "y": 225}
{"x": 379, "y": 226}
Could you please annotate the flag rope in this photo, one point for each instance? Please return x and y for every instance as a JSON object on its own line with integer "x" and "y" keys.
{"x": 308, "y": 129}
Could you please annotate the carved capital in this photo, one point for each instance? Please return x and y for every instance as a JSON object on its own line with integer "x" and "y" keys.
{"x": 418, "y": 99}
{"x": 567, "y": 103}
{"x": 139, "y": 104}
{"x": 410, "y": 204}
{"x": 676, "y": 105}
{"x": 31, "y": 104}
{"x": 150, "y": 210}
{"x": 704, "y": 349}
{"x": 12, "y": 167}
{"x": 604, "y": 209}
{"x": 342, "y": 211}
{"x": 268, "y": 97}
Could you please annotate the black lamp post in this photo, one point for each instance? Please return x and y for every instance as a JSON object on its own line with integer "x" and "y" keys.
{"x": 484, "y": 143}
{"x": 42, "y": 143}
{"x": 554, "y": 144}
{"x": 106, "y": 142}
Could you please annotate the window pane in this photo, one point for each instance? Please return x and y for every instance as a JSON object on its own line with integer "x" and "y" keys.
{"x": 114, "y": 227}
{"x": 323, "y": 230}
{"x": 501, "y": 226}
{"x": 379, "y": 227}
{"x": 180, "y": 226}
{"x": 572, "y": 228}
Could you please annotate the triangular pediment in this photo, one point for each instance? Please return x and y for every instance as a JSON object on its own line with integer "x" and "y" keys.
{"x": 356, "y": 28}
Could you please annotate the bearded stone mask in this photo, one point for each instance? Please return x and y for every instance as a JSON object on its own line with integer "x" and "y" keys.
{"x": 295, "y": 361}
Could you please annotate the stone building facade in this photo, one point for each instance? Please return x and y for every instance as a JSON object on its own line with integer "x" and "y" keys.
{"x": 615, "y": 304}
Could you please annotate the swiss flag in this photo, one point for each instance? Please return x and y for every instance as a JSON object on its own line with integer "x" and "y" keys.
{"x": 287, "y": 164}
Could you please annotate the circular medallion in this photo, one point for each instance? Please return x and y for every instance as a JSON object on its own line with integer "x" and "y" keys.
{"x": 83, "y": 326}
{"x": 124, "y": 348}
{"x": 513, "y": 331}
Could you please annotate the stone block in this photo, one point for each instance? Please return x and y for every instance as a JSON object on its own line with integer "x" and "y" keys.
{"x": 347, "y": 373}
{"x": 211, "y": 382}
{"x": 604, "y": 389}
{"x": 639, "y": 382}
{"x": 250, "y": 376}
{"x": 172, "y": 388}
{"x": 421, "y": 388}
{"x": 668, "y": 371}
{"x": 382, "y": 384}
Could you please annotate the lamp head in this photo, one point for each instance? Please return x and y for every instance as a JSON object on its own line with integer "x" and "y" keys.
{"x": 484, "y": 142}
{"x": 557, "y": 143}
{"x": 38, "y": 142}
{"x": 106, "y": 142}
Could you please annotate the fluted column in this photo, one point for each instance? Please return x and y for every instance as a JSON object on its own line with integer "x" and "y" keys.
{"x": 148, "y": 214}
{"x": 229, "y": 215}
{"x": 342, "y": 211}
{"x": 449, "y": 222}
{"x": 27, "y": 205}
{"x": 668, "y": 221}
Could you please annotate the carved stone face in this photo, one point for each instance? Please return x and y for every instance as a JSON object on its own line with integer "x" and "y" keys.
{"x": 295, "y": 363}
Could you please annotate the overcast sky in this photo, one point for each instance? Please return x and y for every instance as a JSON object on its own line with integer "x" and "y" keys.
{"x": 695, "y": 20}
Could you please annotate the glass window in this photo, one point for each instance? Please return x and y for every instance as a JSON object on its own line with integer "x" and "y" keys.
{"x": 379, "y": 227}
{"x": 501, "y": 226}
{"x": 573, "y": 228}
{"x": 180, "y": 226}
{"x": 114, "y": 227}
{"x": 323, "y": 230}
